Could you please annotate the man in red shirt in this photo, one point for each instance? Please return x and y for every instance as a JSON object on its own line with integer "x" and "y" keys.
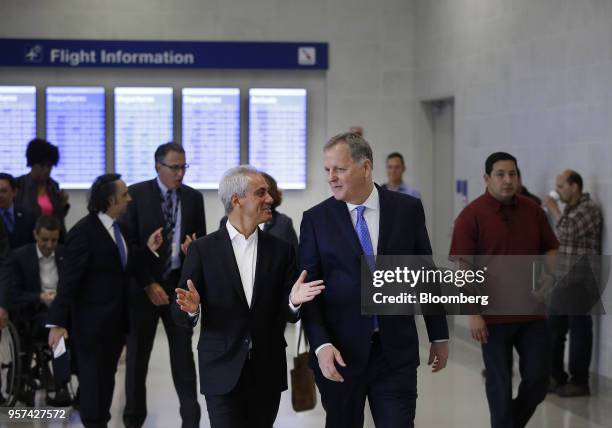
{"x": 501, "y": 222}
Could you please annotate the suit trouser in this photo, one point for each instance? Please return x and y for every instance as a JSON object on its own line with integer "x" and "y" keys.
{"x": 98, "y": 359}
{"x": 391, "y": 392}
{"x": 580, "y": 329}
{"x": 144, "y": 317}
{"x": 248, "y": 405}
{"x": 531, "y": 341}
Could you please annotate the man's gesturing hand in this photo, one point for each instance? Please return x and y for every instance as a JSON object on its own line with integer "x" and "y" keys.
{"x": 188, "y": 300}
{"x": 303, "y": 292}
{"x": 328, "y": 356}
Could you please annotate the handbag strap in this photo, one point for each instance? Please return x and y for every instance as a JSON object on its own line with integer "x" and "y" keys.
{"x": 300, "y": 335}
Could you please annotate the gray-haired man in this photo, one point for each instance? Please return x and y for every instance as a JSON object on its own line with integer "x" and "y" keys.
{"x": 245, "y": 281}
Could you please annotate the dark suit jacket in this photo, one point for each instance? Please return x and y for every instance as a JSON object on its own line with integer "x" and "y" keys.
{"x": 330, "y": 250}
{"x": 280, "y": 226}
{"x": 93, "y": 284}
{"x": 27, "y": 196}
{"x": 145, "y": 215}
{"x": 26, "y": 276}
{"x": 5, "y": 272}
{"x": 23, "y": 228}
{"x": 228, "y": 323}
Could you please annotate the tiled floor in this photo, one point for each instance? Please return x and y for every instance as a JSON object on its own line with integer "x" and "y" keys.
{"x": 452, "y": 398}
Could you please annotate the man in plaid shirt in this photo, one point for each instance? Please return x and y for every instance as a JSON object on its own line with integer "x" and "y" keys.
{"x": 579, "y": 231}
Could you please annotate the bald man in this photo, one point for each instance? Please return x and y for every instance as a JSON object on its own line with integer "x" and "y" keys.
{"x": 578, "y": 228}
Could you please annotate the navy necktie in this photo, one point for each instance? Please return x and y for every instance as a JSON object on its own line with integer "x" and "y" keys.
{"x": 169, "y": 225}
{"x": 120, "y": 246}
{"x": 9, "y": 221}
{"x": 363, "y": 233}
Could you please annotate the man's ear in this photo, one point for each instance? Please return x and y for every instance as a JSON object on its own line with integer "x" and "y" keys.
{"x": 235, "y": 200}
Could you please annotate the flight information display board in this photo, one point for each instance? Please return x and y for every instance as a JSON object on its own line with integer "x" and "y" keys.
{"x": 277, "y": 134}
{"x": 143, "y": 121}
{"x": 17, "y": 126}
{"x": 76, "y": 120}
{"x": 211, "y": 134}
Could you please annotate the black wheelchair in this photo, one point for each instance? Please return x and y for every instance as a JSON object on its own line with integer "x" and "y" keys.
{"x": 24, "y": 367}
{"x": 11, "y": 358}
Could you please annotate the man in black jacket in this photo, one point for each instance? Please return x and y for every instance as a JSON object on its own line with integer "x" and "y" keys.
{"x": 18, "y": 223}
{"x": 35, "y": 269}
{"x": 244, "y": 277}
{"x": 5, "y": 276}
{"x": 93, "y": 294}
{"x": 162, "y": 202}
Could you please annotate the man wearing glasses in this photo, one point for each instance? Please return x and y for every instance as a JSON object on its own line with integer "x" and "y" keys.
{"x": 162, "y": 202}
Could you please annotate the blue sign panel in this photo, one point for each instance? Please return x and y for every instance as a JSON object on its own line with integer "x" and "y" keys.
{"x": 158, "y": 54}
{"x": 143, "y": 121}
{"x": 277, "y": 134}
{"x": 211, "y": 134}
{"x": 76, "y": 124}
{"x": 17, "y": 126}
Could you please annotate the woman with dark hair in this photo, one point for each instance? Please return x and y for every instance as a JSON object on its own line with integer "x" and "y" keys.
{"x": 280, "y": 225}
{"x": 38, "y": 194}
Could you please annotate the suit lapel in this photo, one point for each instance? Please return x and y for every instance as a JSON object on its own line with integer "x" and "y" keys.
{"x": 35, "y": 266}
{"x": 347, "y": 232}
{"x": 261, "y": 266}
{"x": 231, "y": 267}
{"x": 386, "y": 220}
{"x": 105, "y": 237}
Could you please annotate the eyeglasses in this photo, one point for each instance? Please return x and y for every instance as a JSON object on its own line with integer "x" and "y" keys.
{"x": 176, "y": 168}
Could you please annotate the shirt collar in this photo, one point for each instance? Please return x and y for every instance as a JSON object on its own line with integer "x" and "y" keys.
{"x": 583, "y": 198}
{"x": 372, "y": 202}
{"x": 162, "y": 186}
{"x": 41, "y": 255}
{"x": 106, "y": 220}
{"x": 10, "y": 209}
{"x": 233, "y": 232}
{"x": 497, "y": 204}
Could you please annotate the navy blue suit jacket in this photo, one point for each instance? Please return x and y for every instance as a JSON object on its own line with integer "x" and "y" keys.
{"x": 26, "y": 276}
{"x": 330, "y": 250}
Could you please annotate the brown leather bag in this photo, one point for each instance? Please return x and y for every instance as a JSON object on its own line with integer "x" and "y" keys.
{"x": 303, "y": 389}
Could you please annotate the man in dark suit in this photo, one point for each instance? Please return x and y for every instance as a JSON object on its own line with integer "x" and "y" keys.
{"x": 36, "y": 270}
{"x": 357, "y": 356}
{"x": 18, "y": 223}
{"x": 5, "y": 276}
{"x": 244, "y": 277}
{"x": 162, "y": 202}
{"x": 93, "y": 294}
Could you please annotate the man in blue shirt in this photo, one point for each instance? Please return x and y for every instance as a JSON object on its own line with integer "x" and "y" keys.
{"x": 395, "y": 171}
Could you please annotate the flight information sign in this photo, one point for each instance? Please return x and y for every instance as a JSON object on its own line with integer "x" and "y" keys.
{"x": 17, "y": 126}
{"x": 277, "y": 134}
{"x": 143, "y": 121}
{"x": 76, "y": 120}
{"x": 211, "y": 134}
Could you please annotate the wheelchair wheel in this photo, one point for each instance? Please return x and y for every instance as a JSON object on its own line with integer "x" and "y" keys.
{"x": 10, "y": 365}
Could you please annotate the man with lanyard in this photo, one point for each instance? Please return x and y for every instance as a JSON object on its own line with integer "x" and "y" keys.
{"x": 162, "y": 202}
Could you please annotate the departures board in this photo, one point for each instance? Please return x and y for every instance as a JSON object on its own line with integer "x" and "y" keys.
{"x": 211, "y": 133}
{"x": 143, "y": 121}
{"x": 17, "y": 127}
{"x": 277, "y": 134}
{"x": 76, "y": 120}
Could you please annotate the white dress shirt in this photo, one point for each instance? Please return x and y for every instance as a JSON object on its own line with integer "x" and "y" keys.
{"x": 47, "y": 269}
{"x": 107, "y": 222}
{"x": 245, "y": 252}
